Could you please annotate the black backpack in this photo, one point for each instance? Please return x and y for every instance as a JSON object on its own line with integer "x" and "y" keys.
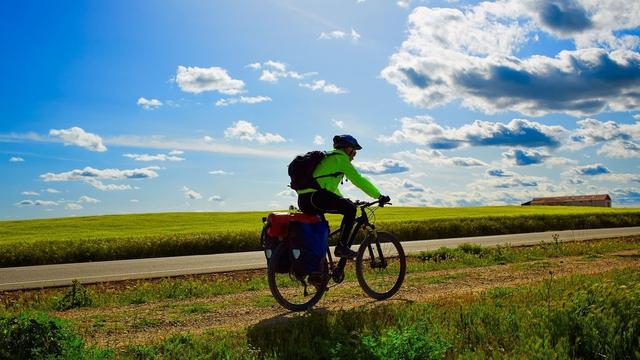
{"x": 302, "y": 167}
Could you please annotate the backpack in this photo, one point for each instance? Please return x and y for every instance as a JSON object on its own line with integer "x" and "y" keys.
{"x": 302, "y": 167}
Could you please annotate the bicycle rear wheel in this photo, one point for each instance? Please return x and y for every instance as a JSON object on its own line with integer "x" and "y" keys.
{"x": 295, "y": 292}
{"x": 380, "y": 265}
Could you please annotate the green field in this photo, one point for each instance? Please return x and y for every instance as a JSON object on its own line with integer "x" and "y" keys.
{"x": 94, "y": 238}
{"x": 164, "y": 224}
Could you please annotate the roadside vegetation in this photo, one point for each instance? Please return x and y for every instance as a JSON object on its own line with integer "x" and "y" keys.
{"x": 579, "y": 316}
{"x": 199, "y": 286}
{"x": 50, "y": 241}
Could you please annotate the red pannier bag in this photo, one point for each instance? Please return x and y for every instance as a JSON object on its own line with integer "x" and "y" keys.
{"x": 276, "y": 229}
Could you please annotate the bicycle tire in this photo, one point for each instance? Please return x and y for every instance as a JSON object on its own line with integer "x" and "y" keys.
{"x": 373, "y": 276}
{"x": 290, "y": 297}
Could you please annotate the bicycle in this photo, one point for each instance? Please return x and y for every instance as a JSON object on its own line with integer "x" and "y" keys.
{"x": 380, "y": 266}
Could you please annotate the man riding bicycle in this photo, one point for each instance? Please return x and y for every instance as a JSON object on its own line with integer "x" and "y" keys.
{"x": 329, "y": 174}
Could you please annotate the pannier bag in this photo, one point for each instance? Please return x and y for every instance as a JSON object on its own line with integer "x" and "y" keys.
{"x": 308, "y": 242}
{"x": 306, "y": 238}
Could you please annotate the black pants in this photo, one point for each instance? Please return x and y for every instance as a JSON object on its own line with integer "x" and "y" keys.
{"x": 323, "y": 201}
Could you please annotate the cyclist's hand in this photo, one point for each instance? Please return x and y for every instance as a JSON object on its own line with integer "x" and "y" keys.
{"x": 384, "y": 199}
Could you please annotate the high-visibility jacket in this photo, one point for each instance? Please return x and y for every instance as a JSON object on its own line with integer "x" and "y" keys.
{"x": 333, "y": 168}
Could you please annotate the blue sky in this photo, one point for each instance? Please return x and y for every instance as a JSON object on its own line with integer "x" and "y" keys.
{"x": 120, "y": 107}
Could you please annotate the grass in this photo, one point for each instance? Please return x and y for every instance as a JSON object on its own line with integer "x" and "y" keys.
{"x": 49, "y": 241}
{"x": 200, "y": 286}
{"x": 580, "y": 316}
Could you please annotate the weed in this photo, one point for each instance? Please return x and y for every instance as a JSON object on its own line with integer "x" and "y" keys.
{"x": 76, "y": 296}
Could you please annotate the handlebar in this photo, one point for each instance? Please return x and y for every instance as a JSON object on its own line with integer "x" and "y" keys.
{"x": 364, "y": 204}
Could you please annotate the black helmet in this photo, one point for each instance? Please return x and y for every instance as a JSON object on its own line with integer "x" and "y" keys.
{"x": 340, "y": 141}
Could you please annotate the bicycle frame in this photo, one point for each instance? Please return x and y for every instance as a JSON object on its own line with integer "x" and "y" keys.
{"x": 336, "y": 271}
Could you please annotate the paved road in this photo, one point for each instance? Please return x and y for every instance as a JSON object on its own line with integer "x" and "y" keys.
{"x": 30, "y": 277}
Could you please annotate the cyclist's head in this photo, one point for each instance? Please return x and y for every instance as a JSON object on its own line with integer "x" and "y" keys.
{"x": 344, "y": 141}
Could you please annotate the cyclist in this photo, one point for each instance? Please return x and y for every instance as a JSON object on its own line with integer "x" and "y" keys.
{"x": 329, "y": 174}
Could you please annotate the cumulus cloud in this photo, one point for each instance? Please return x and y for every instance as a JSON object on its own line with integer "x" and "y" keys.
{"x": 36, "y": 203}
{"x": 338, "y": 123}
{"x": 242, "y": 100}
{"x": 16, "y": 159}
{"x": 73, "y": 206}
{"x": 272, "y": 71}
{"x": 52, "y": 191}
{"x": 324, "y": 86}
{"x": 216, "y": 198}
{"x": 191, "y": 194}
{"x": 436, "y": 157}
{"x": 500, "y": 173}
{"x": 592, "y": 132}
{"x": 77, "y": 136}
{"x": 245, "y": 130}
{"x": 94, "y": 176}
{"x": 29, "y": 193}
{"x": 318, "y": 140}
{"x": 384, "y": 166}
{"x": 620, "y": 149}
{"x": 524, "y": 157}
{"x": 468, "y": 55}
{"x": 591, "y": 170}
{"x": 176, "y": 152}
{"x": 500, "y": 179}
{"x": 220, "y": 172}
{"x": 149, "y": 104}
{"x": 424, "y": 130}
{"x": 196, "y": 80}
{"x": 288, "y": 193}
{"x": 88, "y": 200}
{"x": 156, "y": 157}
{"x": 628, "y": 196}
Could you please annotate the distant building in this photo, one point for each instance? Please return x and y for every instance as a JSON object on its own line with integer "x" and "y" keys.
{"x": 603, "y": 200}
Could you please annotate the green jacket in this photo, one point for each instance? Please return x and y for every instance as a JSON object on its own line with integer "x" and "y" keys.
{"x": 340, "y": 165}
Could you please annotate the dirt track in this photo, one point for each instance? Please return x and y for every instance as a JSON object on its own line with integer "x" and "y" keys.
{"x": 123, "y": 325}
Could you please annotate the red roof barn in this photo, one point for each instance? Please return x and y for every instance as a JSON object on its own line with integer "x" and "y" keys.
{"x": 603, "y": 200}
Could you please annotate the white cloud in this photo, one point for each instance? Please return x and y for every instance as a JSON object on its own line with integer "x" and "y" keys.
{"x": 324, "y": 86}
{"x": 135, "y": 201}
{"x": 156, "y": 157}
{"x": 176, "y": 152}
{"x": 29, "y": 193}
{"x": 102, "y": 174}
{"x": 384, "y": 166}
{"x": 16, "y": 159}
{"x": 468, "y": 55}
{"x": 149, "y": 104}
{"x": 436, "y": 157}
{"x": 77, "y": 136}
{"x": 336, "y": 34}
{"x": 318, "y": 140}
{"x": 52, "y": 191}
{"x": 191, "y": 194}
{"x": 196, "y": 80}
{"x": 36, "y": 203}
{"x": 620, "y": 149}
{"x": 93, "y": 176}
{"x": 220, "y": 172}
{"x": 254, "y": 66}
{"x": 272, "y": 71}
{"x": 403, "y": 3}
{"x": 424, "y": 130}
{"x": 207, "y": 139}
{"x": 355, "y": 36}
{"x": 338, "y": 123}
{"x": 87, "y": 200}
{"x": 288, "y": 193}
{"x": 73, "y": 206}
{"x": 245, "y": 130}
{"x": 216, "y": 198}
{"x": 242, "y": 100}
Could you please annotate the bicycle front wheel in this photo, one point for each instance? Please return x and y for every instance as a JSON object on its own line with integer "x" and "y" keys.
{"x": 380, "y": 265}
{"x": 295, "y": 292}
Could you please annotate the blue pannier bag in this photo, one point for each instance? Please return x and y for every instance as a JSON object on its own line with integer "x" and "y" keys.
{"x": 308, "y": 243}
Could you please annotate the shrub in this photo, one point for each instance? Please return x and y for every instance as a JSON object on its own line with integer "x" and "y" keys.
{"x": 414, "y": 342}
{"x": 76, "y": 296}
{"x": 39, "y": 336}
